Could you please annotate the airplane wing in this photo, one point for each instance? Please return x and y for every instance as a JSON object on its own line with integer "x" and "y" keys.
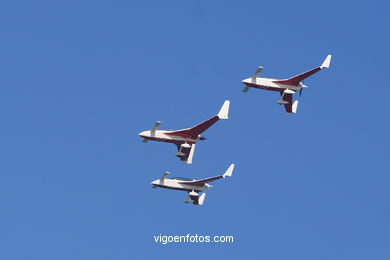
{"x": 294, "y": 81}
{"x": 201, "y": 182}
{"x": 195, "y": 131}
{"x": 289, "y": 105}
{"x": 185, "y": 152}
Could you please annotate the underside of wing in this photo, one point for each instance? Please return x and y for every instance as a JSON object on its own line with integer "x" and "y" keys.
{"x": 195, "y": 131}
{"x": 294, "y": 81}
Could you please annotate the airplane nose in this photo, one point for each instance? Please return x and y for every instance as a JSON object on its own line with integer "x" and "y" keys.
{"x": 154, "y": 186}
{"x": 144, "y": 134}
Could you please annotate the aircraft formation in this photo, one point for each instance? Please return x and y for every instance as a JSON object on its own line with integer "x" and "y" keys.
{"x": 186, "y": 139}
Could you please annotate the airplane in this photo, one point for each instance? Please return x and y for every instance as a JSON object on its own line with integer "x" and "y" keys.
{"x": 185, "y": 139}
{"x": 193, "y": 187}
{"x": 286, "y": 87}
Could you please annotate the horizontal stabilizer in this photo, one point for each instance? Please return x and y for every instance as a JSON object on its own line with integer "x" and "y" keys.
{"x": 156, "y": 125}
{"x": 224, "y": 112}
{"x": 246, "y": 88}
{"x": 165, "y": 175}
{"x": 257, "y": 73}
{"x": 188, "y": 200}
{"x": 154, "y": 128}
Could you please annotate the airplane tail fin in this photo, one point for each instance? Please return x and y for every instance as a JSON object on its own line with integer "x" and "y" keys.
{"x": 191, "y": 155}
{"x": 294, "y": 81}
{"x": 201, "y": 199}
{"x": 295, "y": 106}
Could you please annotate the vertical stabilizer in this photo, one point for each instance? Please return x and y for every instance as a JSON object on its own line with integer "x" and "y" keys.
{"x": 229, "y": 171}
{"x": 224, "y": 112}
{"x": 326, "y": 62}
{"x": 295, "y": 106}
{"x": 201, "y": 199}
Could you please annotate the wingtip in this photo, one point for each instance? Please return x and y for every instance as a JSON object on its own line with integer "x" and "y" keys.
{"x": 224, "y": 111}
{"x": 326, "y": 62}
{"x": 229, "y": 171}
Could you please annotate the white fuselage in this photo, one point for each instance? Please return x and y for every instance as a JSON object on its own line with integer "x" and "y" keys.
{"x": 269, "y": 84}
{"x": 176, "y": 185}
{"x": 164, "y": 136}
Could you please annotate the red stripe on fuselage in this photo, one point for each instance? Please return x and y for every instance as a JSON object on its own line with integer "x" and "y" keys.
{"x": 263, "y": 87}
{"x": 173, "y": 141}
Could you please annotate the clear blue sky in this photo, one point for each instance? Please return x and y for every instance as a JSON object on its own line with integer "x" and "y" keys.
{"x": 80, "y": 79}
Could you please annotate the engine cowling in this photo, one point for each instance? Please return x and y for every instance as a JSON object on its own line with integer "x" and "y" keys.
{"x": 193, "y": 193}
{"x": 185, "y": 145}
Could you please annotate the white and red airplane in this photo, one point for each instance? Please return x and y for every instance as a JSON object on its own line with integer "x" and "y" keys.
{"x": 185, "y": 139}
{"x": 193, "y": 187}
{"x": 286, "y": 87}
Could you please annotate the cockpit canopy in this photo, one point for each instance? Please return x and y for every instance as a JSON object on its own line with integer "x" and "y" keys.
{"x": 182, "y": 179}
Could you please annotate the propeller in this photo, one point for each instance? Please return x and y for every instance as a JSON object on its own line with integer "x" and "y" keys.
{"x": 201, "y": 138}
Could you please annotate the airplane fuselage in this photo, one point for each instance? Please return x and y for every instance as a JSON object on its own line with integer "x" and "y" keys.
{"x": 175, "y": 185}
{"x": 165, "y": 136}
{"x": 269, "y": 84}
